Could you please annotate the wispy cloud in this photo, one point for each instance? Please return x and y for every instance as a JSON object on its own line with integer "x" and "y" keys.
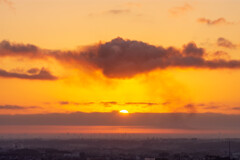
{"x": 118, "y": 11}
{"x": 222, "y": 42}
{"x": 133, "y": 4}
{"x": 219, "y": 21}
{"x": 108, "y": 104}
{"x": 180, "y": 9}
{"x": 221, "y": 55}
{"x": 142, "y": 103}
{"x": 16, "y": 107}
{"x": 9, "y": 3}
{"x": 113, "y": 12}
{"x": 236, "y": 108}
{"x": 75, "y": 103}
{"x": 211, "y": 107}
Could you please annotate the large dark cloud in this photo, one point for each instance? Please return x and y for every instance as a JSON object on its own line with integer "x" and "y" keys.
{"x": 121, "y": 58}
{"x": 43, "y": 74}
{"x": 125, "y": 58}
{"x": 203, "y": 121}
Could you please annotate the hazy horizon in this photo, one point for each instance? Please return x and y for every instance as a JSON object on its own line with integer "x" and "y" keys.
{"x": 120, "y": 66}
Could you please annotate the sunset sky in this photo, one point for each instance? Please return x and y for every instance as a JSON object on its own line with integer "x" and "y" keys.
{"x": 92, "y": 58}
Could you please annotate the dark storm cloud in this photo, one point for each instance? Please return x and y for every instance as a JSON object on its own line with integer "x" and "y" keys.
{"x": 155, "y": 120}
{"x": 121, "y": 58}
{"x": 42, "y": 75}
{"x": 225, "y": 43}
{"x": 15, "y": 107}
{"x": 214, "y": 22}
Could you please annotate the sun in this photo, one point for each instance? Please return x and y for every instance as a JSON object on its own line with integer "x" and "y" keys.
{"x": 124, "y": 111}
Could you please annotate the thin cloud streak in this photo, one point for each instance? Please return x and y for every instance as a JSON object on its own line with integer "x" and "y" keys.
{"x": 42, "y": 75}
{"x": 219, "y": 21}
{"x": 16, "y": 107}
{"x": 142, "y": 103}
{"x": 118, "y": 11}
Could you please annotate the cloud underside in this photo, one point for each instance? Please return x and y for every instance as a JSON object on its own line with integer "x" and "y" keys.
{"x": 155, "y": 120}
{"x": 121, "y": 58}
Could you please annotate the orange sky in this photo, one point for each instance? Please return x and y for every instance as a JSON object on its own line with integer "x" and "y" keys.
{"x": 144, "y": 56}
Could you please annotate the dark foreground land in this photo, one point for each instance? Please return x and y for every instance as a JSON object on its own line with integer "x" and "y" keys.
{"x": 119, "y": 149}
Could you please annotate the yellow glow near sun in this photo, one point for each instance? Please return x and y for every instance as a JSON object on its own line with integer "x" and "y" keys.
{"x": 123, "y": 111}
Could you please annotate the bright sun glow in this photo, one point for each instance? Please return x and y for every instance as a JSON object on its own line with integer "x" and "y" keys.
{"x": 123, "y": 111}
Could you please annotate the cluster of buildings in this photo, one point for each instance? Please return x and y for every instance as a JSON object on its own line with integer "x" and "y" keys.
{"x": 119, "y": 149}
{"x": 53, "y": 154}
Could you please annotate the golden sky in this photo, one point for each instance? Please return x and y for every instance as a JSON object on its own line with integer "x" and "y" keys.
{"x": 147, "y": 56}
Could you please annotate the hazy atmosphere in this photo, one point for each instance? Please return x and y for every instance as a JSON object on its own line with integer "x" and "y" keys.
{"x": 120, "y": 66}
